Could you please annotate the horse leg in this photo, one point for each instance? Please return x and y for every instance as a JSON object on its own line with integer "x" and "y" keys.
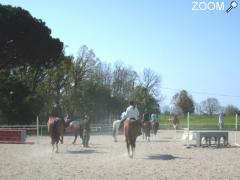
{"x": 127, "y": 142}
{"x": 75, "y": 138}
{"x": 133, "y": 151}
{"x": 52, "y": 147}
{"x": 88, "y": 137}
{"x": 84, "y": 138}
{"x": 61, "y": 139}
{"x": 52, "y": 142}
{"x": 132, "y": 148}
{"x": 56, "y": 147}
{"x": 143, "y": 133}
{"x": 148, "y": 135}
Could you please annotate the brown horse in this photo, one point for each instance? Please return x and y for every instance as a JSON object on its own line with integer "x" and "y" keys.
{"x": 55, "y": 130}
{"x": 155, "y": 127}
{"x": 132, "y": 129}
{"x": 175, "y": 122}
{"x": 146, "y": 130}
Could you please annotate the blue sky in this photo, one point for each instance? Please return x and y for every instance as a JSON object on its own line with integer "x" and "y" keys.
{"x": 193, "y": 50}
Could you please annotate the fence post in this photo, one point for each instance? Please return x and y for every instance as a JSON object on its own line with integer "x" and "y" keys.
{"x": 188, "y": 131}
{"x": 37, "y": 130}
{"x": 236, "y": 129}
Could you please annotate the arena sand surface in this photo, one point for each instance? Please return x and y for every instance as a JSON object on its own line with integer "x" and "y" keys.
{"x": 163, "y": 158}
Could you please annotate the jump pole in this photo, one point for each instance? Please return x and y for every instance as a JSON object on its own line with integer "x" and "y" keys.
{"x": 236, "y": 129}
{"x": 188, "y": 125}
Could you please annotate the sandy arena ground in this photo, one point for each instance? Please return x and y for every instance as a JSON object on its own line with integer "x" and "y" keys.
{"x": 163, "y": 158}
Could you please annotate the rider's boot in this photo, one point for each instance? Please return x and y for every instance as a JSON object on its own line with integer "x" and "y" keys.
{"x": 120, "y": 126}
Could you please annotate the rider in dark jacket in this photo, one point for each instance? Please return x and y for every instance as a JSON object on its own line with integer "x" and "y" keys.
{"x": 57, "y": 111}
{"x": 146, "y": 116}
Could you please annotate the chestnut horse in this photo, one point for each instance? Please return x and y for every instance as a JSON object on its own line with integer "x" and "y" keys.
{"x": 175, "y": 122}
{"x": 146, "y": 130}
{"x": 132, "y": 129}
{"x": 55, "y": 130}
{"x": 155, "y": 127}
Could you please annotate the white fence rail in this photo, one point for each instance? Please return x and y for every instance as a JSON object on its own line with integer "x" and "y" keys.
{"x": 100, "y": 128}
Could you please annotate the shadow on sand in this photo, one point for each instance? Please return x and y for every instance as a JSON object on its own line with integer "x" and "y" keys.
{"x": 162, "y": 157}
{"x": 84, "y": 151}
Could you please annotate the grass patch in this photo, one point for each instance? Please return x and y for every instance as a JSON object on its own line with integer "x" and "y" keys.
{"x": 199, "y": 122}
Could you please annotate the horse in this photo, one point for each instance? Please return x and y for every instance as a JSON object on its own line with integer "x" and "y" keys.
{"x": 77, "y": 128}
{"x": 82, "y": 128}
{"x": 132, "y": 129}
{"x": 116, "y": 124}
{"x": 155, "y": 127}
{"x": 55, "y": 130}
{"x": 146, "y": 130}
{"x": 175, "y": 122}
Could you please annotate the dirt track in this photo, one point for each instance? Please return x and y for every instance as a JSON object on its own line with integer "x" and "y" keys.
{"x": 163, "y": 158}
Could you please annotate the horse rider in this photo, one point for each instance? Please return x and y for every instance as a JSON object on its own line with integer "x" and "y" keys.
{"x": 131, "y": 112}
{"x": 123, "y": 115}
{"x": 153, "y": 117}
{"x": 57, "y": 112}
{"x": 146, "y": 116}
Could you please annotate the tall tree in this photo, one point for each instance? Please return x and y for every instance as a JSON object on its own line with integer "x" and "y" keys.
{"x": 144, "y": 99}
{"x": 184, "y": 101}
{"x": 123, "y": 81}
{"x": 26, "y": 51}
{"x": 25, "y": 40}
{"x": 17, "y": 104}
{"x": 151, "y": 81}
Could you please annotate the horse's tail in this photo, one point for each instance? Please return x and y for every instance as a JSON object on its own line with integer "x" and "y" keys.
{"x": 130, "y": 133}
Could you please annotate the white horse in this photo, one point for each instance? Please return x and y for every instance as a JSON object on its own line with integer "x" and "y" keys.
{"x": 116, "y": 124}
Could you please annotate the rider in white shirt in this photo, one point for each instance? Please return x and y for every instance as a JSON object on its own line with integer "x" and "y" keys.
{"x": 131, "y": 112}
{"x": 154, "y": 117}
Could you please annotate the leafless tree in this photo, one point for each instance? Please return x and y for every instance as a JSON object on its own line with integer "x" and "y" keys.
{"x": 211, "y": 106}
